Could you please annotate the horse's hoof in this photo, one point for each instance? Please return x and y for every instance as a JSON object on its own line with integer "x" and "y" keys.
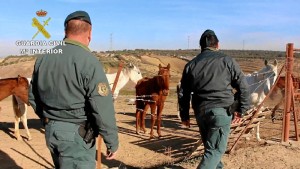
{"x": 151, "y": 137}
{"x": 29, "y": 138}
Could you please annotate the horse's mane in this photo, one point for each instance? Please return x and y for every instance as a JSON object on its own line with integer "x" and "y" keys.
{"x": 8, "y": 79}
{"x": 13, "y": 79}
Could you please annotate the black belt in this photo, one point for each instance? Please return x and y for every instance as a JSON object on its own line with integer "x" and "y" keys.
{"x": 46, "y": 120}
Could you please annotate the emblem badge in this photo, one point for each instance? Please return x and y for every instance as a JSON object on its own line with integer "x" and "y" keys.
{"x": 41, "y": 27}
{"x": 102, "y": 89}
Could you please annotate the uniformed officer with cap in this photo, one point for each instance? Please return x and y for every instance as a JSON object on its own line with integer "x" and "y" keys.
{"x": 70, "y": 93}
{"x": 213, "y": 77}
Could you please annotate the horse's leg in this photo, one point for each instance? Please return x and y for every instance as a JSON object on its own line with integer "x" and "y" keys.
{"x": 18, "y": 114}
{"x": 153, "y": 118}
{"x": 275, "y": 108}
{"x": 17, "y": 131}
{"x": 137, "y": 122}
{"x": 139, "y": 108}
{"x": 24, "y": 120}
{"x": 143, "y": 117}
{"x": 257, "y": 132}
{"x": 159, "y": 113}
{"x": 278, "y": 105}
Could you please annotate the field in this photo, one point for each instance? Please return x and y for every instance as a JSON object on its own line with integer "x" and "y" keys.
{"x": 137, "y": 151}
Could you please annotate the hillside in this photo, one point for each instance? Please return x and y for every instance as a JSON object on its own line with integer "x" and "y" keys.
{"x": 146, "y": 60}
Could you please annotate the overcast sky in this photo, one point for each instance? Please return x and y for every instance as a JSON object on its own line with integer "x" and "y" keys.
{"x": 158, "y": 24}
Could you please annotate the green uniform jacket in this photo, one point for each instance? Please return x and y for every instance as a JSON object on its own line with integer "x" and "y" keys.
{"x": 67, "y": 86}
{"x": 211, "y": 77}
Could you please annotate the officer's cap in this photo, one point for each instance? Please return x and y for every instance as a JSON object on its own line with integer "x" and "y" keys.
{"x": 79, "y": 15}
{"x": 205, "y": 35}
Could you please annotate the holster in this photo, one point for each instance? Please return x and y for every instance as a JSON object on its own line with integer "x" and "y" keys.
{"x": 87, "y": 132}
{"x": 44, "y": 121}
{"x": 233, "y": 108}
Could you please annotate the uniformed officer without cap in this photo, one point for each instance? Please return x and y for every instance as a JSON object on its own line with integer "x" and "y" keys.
{"x": 70, "y": 93}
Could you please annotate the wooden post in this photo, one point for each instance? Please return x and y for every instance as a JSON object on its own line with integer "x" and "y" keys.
{"x": 288, "y": 92}
{"x": 99, "y": 137}
{"x": 117, "y": 78}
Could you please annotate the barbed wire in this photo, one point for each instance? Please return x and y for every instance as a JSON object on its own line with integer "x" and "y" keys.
{"x": 261, "y": 82}
{"x": 145, "y": 100}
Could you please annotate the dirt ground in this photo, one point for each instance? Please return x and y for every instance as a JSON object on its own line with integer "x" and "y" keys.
{"x": 137, "y": 151}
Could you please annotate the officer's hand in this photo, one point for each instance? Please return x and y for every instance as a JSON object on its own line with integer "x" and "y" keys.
{"x": 110, "y": 155}
{"x": 237, "y": 118}
{"x": 186, "y": 123}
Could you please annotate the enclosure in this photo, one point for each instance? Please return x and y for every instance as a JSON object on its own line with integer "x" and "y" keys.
{"x": 137, "y": 151}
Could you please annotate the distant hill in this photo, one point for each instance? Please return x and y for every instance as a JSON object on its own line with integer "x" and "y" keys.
{"x": 147, "y": 61}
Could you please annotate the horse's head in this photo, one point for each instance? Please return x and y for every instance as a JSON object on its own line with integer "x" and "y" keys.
{"x": 270, "y": 71}
{"x": 21, "y": 89}
{"x": 260, "y": 82}
{"x": 134, "y": 73}
{"x": 164, "y": 72}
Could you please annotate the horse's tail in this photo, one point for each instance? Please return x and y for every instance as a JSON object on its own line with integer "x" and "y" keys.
{"x": 16, "y": 107}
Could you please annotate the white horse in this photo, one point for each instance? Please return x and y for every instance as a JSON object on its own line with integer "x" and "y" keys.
{"x": 129, "y": 72}
{"x": 260, "y": 84}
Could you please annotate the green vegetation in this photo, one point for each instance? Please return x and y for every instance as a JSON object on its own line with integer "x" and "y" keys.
{"x": 9, "y": 60}
{"x": 193, "y": 52}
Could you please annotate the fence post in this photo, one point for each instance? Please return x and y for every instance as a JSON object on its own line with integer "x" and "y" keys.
{"x": 288, "y": 92}
{"x": 117, "y": 77}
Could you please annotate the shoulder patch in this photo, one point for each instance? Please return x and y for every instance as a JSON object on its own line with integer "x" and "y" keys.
{"x": 102, "y": 89}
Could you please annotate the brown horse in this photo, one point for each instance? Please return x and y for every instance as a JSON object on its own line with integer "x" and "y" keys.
{"x": 280, "y": 85}
{"x": 18, "y": 87}
{"x": 152, "y": 92}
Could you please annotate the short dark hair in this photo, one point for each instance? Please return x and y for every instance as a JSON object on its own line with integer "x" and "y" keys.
{"x": 77, "y": 27}
{"x": 208, "y": 39}
{"x": 211, "y": 41}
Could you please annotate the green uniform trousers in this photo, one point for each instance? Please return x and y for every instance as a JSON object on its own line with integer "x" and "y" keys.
{"x": 214, "y": 125}
{"x": 68, "y": 150}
